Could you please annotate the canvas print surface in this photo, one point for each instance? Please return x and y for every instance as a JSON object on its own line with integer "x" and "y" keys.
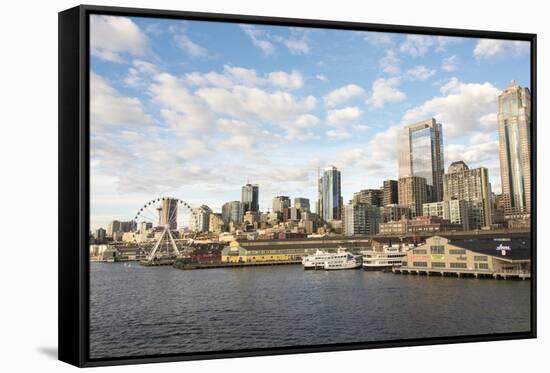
{"x": 258, "y": 186}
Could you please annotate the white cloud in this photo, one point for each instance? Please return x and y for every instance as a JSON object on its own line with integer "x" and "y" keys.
{"x": 189, "y": 46}
{"x": 450, "y": 63}
{"x": 306, "y": 121}
{"x": 463, "y": 107}
{"x": 297, "y": 46}
{"x": 285, "y": 80}
{"x": 343, "y": 94}
{"x": 321, "y": 77}
{"x": 390, "y": 63}
{"x": 342, "y": 116}
{"x": 420, "y": 72}
{"x": 360, "y": 127}
{"x": 417, "y": 45}
{"x": 240, "y": 76}
{"x": 113, "y": 36}
{"x": 250, "y": 103}
{"x": 488, "y": 48}
{"x": 379, "y": 38}
{"x": 259, "y": 39}
{"x": 384, "y": 91}
{"x": 109, "y": 108}
{"x": 338, "y": 135}
{"x": 179, "y": 108}
{"x": 138, "y": 71}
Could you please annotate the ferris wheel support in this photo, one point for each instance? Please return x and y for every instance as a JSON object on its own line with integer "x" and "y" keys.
{"x": 167, "y": 208}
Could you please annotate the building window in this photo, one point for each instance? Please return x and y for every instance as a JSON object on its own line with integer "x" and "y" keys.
{"x": 420, "y": 264}
{"x": 420, "y": 251}
{"x": 438, "y": 265}
{"x": 483, "y": 265}
{"x": 404, "y": 264}
{"x": 437, "y": 249}
{"x": 480, "y": 258}
{"x": 457, "y": 251}
{"x": 458, "y": 265}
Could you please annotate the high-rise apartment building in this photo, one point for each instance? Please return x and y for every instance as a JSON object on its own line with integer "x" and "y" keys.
{"x": 202, "y": 219}
{"x": 250, "y": 197}
{"x": 280, "y": 203}
{"x": 455, "y": 210}
{"x": 369, "y": 196}
{"x": 421, "y": 154}
{"x": 360, "y": 218}
{"x": 472, "y": 186}
{"x": 514, "y": 137}
{"x": 330, "y": 195}
{"x": 389, "y": 193}
{"x": 412, "y": 193}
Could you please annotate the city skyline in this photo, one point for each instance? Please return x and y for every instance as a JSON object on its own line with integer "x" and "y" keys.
{"x": 177, "y": 112}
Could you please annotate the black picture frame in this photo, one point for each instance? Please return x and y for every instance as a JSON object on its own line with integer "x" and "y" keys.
{"x": 74, "y": 150}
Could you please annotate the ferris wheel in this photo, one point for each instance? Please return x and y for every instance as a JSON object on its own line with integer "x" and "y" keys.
{"x": 160, "y": 223}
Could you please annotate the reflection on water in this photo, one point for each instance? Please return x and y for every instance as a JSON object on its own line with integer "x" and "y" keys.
{"x": 139, "y": 310}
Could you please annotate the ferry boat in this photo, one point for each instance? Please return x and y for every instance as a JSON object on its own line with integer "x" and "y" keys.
{"x": 332, "y": 261}
{"x": 385, "y": 259}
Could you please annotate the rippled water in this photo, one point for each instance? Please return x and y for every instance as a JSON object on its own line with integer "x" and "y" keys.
{"x": 144, "y": 310}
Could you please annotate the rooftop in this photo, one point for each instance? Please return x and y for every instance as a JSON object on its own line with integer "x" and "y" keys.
{"x": 516, "y": 248}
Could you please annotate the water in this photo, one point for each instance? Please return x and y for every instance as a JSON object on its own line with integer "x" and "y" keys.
{"x": 159, "y": 310}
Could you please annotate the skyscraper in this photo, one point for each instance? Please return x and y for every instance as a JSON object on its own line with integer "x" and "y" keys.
{"x": 412, "y": 193}
{"x": 232, "y": 212}
{"x": 389, "y": 192}
{"x": 421, "y": 154}
{"x": 369, "y": 196}
{"x": 168, "y": 212}
{"x": 201, "y": 217}
{"x": 301, "y": 203}
{"x": 249, "y": 197}
{"x": 330, "y": 195}
{"x": 472, "y": 186}
{"x": 514, "y": 137}
{"x": 280, "y": 203}
{"x": 360, "y": 218}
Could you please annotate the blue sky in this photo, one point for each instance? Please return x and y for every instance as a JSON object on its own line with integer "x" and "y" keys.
{"x": 196, "y": 109}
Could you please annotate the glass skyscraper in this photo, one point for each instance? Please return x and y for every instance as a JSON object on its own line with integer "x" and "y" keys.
{"x": 514, "y": 137}
{"x": 330, "y": 195}
{"x": 249, "y": 197}
{"x": 421, "y": 154}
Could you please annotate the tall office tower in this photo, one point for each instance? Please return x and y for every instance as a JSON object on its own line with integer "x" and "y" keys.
{"x": 471, "y": 186}
{"x": 330, "y": 195}
{"x": 369, "y": 196}
{"x": 389, "y": 192}
{"x": 412, "y": 193}
{"x": 168, "y": 212}
{"x": 216, "y": 223}
{"x": 280, "y": 203}
{"x": 201, "y": 219}
{"x": 100, "y": 235}
{"x": 360, "y": 218}
{"x": 514, "y": 138}
{"x": 249, "y": 197}
{"x": 421, "y": 154}
{"x": 301, "y": 203}
{"x": 232, "y": 212}
{"x": 113, "y": 227}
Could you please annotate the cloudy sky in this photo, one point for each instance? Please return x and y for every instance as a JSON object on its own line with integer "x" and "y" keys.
{"x": 195, "y": 109}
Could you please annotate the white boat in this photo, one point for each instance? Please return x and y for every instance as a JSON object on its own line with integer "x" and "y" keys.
{"x": 332, "y": 261}
{"x": 386, "y": 258}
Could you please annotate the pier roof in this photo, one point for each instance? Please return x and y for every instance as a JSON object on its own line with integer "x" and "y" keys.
{"x": 519, "y": 248}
